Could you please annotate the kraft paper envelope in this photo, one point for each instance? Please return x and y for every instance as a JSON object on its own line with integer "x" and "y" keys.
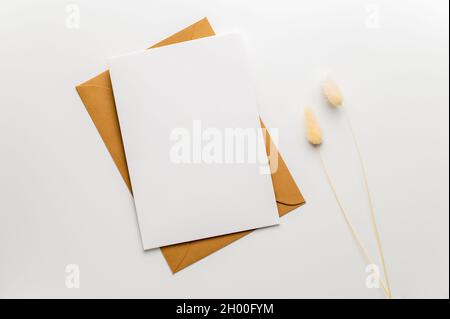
{"x": 97, "y": 96}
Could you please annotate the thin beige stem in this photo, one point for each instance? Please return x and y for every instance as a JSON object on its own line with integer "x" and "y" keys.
{"x": 370, "y": 199}
{"x": 352, "y": 229}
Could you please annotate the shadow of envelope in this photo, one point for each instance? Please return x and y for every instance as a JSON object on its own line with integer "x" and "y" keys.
{"x": 98, "y": 98}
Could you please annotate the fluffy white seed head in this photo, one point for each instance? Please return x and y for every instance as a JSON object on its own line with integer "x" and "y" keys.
{"x": 332, "y": 92}
{"x": 313, "y": 130}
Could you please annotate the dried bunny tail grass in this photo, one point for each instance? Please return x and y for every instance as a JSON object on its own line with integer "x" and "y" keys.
{"x": 314, "y": 132}
{"x": 371, "y": 205}
{"x": 351, "y": 227}
{"x": 332, "y": 92}
{"x": 334, "y": 97}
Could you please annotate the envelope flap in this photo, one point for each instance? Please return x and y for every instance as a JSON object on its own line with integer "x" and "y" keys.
{"x": 285, "y": 188}
{"x": 102, "y": 80}
{"x": 197, "y": 30}
{"x": 180, "y": 256}
{"x": 98, "y": 98}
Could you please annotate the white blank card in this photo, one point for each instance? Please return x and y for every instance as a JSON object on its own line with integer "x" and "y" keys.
{"x": 190, "y": 126}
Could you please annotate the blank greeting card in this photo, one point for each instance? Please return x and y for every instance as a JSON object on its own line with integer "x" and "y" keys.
{"x": 194, "y": 146}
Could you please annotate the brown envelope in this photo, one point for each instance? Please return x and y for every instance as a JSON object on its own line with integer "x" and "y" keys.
{"x": 97, "y": 96}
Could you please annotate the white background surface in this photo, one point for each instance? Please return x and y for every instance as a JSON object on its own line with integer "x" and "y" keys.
{"x": 62, "y": 200}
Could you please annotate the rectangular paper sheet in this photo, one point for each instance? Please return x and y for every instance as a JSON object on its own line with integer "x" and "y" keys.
{"x": 177, "y": 100}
